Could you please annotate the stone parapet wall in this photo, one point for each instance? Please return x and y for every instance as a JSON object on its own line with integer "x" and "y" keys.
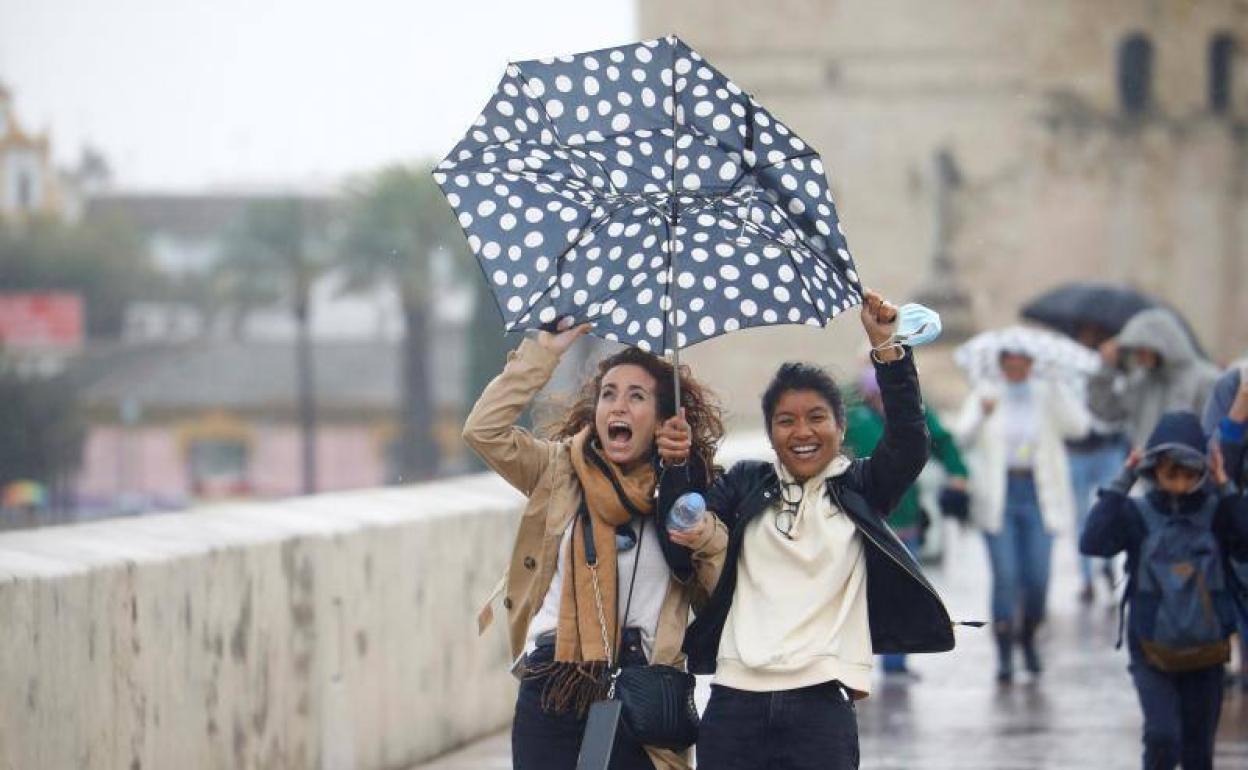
{"x": 335, "y": 631}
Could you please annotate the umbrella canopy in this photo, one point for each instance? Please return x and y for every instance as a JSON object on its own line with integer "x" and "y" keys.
{"x": 23, "y": 493}
{"x": 1053, "y": 356}
{"x": 1070, "y": 306}
{"x": 640, "y": 189}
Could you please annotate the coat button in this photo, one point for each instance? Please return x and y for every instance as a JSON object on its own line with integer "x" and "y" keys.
{"x": 530, "y": 562}
{"x": 507, "y": 602}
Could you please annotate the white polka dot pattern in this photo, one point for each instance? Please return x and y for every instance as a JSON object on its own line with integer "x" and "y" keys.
{"x": 584, "y": 172}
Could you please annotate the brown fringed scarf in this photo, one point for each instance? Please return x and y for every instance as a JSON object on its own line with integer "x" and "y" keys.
{"x": 577, "y": 678}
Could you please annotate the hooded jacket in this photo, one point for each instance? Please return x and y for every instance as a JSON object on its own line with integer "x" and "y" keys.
{"x": 1218, "y": 407}
{"x": 1115, "y": 523}
{"x": 1138, "y": 398}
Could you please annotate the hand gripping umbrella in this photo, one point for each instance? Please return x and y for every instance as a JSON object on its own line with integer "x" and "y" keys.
{"x": 639, "y": 189}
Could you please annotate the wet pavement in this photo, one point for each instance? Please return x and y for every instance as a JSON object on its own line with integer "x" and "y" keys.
{"x": 1081, "y": 713}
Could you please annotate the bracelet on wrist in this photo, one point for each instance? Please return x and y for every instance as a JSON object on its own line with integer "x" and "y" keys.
{"x": 875, "y": 353}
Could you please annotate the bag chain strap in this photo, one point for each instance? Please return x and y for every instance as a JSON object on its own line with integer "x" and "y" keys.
{"x": 612, "y": 667}
{"x": 602, "y": 626}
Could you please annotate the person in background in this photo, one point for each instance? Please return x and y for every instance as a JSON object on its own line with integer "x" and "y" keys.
{"x": 1226, "y": 420}
{"x": 1150, "y": 368}
{"x": 1014, "y": 436}
{"x": 1189, "y": 519}
{"x": 1094, "y": 461}
{"x": 627, "y": 453}
{"x": 864, "y": 427}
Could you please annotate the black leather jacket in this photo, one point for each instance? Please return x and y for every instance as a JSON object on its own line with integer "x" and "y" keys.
{"x": 906, "y": 614}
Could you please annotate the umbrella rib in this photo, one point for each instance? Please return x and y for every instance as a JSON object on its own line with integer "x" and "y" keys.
{"x": 801, "y": 233}
{"x": 810, "y": 294}
{"x": 541, "y": 104}
{"x": 788, "y": 250}
{"x": 769, "y": 235}
{"x": 589, "y": 227}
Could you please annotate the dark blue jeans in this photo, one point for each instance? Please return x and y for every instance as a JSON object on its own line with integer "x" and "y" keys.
{"x": 544, "y": 741}
{"x": 1181, "y": 713}
{"x": 1020, "y": 554}
{"x": 806, "y": 729}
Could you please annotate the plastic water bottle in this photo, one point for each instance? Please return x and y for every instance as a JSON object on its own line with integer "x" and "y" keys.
{"x": 687, "y": 511}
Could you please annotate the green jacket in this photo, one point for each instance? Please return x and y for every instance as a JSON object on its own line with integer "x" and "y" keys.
{"x": 863, "y": 429}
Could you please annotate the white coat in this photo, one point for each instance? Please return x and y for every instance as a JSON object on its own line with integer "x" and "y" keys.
{"x": 982, "y": 436}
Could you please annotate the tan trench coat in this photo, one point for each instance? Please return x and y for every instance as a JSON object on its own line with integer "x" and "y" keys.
{"x": 542, "y": 471}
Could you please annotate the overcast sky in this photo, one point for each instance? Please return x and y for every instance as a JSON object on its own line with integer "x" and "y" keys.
{"x": 187, "y": 94}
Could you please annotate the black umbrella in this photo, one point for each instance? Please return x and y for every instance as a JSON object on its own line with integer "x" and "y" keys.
{"x": 640, "y": 189}
{"x": 1071, "y": 306}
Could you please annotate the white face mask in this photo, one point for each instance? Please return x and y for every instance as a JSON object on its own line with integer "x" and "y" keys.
{"x": 916, "y": 325}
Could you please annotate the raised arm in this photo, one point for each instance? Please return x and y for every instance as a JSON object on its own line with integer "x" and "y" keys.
{"x": 511, "y": 451}
{"x": 1113, "y": 523}
{"x": 1069, "y": 413}
{"x": 971, "y": 418}
{"x": 1106, "y": 396}
{"x": 1231, "y": 518}
{"x": 902, "y": 452}
{"x": 903, "y": 449}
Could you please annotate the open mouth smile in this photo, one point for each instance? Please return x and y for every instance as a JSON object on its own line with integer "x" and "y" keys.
{"x": 804, "y": 451}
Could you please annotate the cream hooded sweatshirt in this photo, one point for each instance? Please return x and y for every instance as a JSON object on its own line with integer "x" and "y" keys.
{"x": 799, "y": 613}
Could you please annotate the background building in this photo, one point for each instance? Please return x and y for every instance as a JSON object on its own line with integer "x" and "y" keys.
{"x": 1098, "y": 141}
{"x": 28, "y": 182}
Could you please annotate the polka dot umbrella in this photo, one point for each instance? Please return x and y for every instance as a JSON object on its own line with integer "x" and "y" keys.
{"x": 640, "y": 189}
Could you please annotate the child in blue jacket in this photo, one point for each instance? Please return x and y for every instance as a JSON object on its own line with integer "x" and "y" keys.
{"x": 1180, "y": 689}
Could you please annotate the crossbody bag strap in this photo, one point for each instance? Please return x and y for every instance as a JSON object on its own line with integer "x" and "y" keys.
{"x": 591, "y": 560}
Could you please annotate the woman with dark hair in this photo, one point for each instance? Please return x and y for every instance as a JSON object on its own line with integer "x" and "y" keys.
{"x": 813, "y": 581}
{"x": 612, "y": 467}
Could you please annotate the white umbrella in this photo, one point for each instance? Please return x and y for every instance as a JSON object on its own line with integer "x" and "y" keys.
{"x": 1053, "y": 355}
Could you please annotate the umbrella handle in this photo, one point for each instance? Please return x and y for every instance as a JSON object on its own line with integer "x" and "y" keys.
{"x": 676, "y": 374}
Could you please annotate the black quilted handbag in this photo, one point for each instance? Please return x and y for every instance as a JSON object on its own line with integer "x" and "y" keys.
{"x": 656, "y": 700}
{"x": 658, "y": 705}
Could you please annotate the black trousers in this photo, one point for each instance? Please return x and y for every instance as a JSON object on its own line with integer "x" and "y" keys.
{"x": 811, "y": 728}
{"x": 545, "y": 741}
{"x": 1181, "y": 713}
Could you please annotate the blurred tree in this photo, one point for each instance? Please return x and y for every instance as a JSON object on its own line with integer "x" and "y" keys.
{"x": 397, "y": 221}
{"x": 41, "y": 431}
{"x": 275, "y": 252}
{"x": 103, "y": 260}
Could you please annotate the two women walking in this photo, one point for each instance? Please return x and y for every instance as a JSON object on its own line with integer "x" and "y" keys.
{"x": 797, "y": 577}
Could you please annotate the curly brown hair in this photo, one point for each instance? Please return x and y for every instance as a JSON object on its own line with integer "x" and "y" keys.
{"x": 702, "y": 409}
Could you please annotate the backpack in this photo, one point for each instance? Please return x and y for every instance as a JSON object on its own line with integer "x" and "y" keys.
{"x": 1181, "y": 609}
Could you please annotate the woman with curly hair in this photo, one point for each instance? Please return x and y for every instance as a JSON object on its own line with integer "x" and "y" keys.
{"x": 623, "y": 453}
